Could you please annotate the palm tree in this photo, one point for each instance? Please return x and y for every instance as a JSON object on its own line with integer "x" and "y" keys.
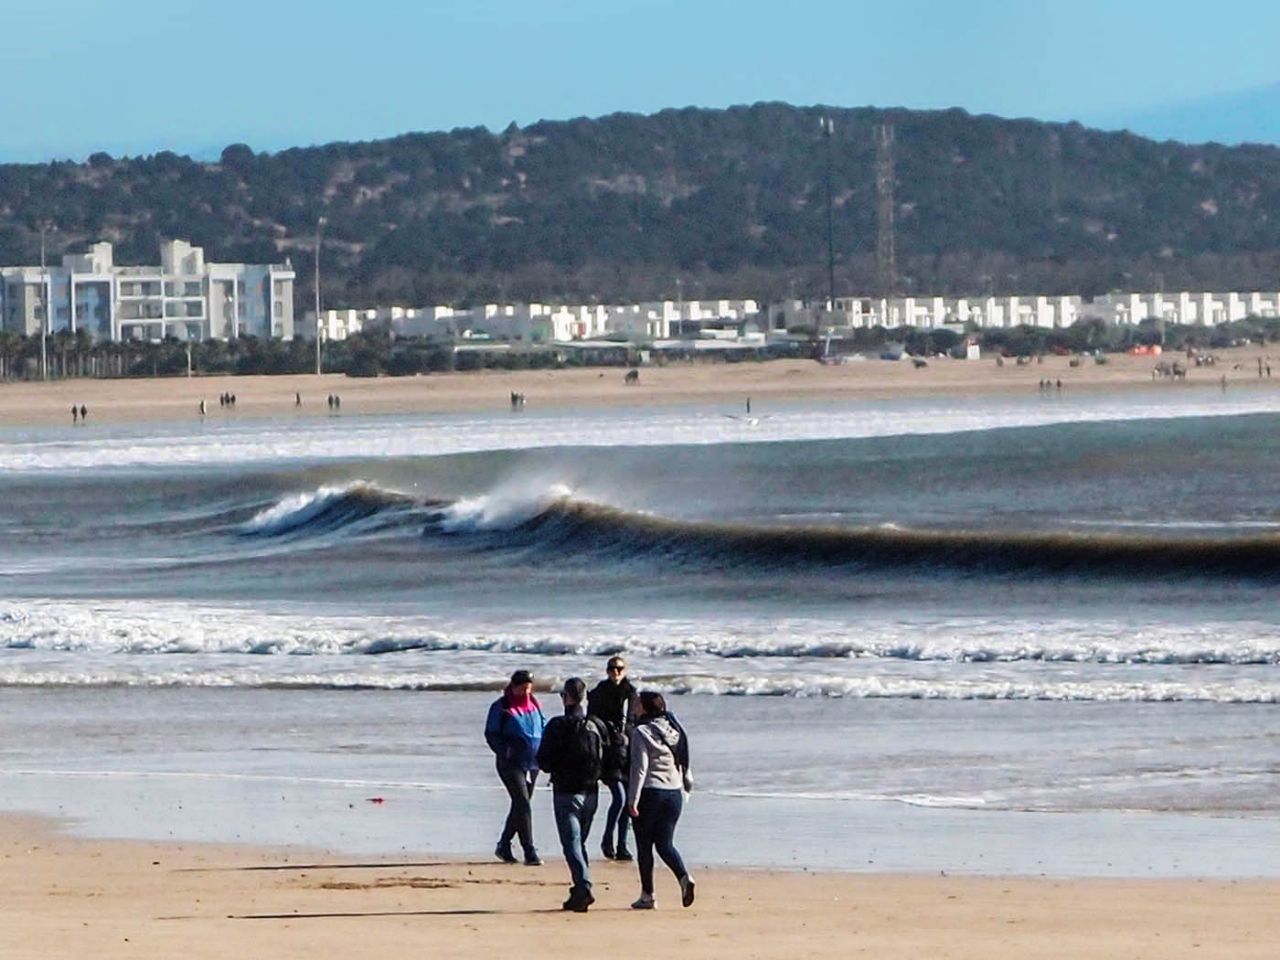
{"x": 9, "y": 342}
{"x": 83, "y": 348}
{"x": 62, "y": 343}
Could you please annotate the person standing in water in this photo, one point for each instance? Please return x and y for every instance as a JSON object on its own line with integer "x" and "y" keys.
{"x": 613, "y": 700}
{"x": 655, "y": 794}
{"x": 513, "y": 730}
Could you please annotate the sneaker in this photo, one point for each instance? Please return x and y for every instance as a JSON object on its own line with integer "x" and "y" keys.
{"x": 607, "y": 849}
{"x": 686, "y": 890}
{"x": 624, "y": 855}
{"x": 531, "y": 859}
{"x": 503, "y": 852}
{"x": 581, "y": 902}
{"x": 646, "y": 902}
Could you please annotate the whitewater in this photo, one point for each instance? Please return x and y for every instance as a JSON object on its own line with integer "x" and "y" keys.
{"x": 1043, "y": 606}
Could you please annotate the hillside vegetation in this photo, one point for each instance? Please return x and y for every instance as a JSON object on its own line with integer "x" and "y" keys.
{"x": 707, "y": 202}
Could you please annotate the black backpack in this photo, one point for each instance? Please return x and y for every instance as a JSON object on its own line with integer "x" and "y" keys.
{"x": 584, "y": 748}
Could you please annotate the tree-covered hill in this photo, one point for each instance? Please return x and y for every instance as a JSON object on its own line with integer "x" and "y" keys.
{"x": 710, "y": 202}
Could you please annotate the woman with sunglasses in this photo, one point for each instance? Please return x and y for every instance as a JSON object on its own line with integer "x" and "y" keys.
{"x": 613, "y": 700}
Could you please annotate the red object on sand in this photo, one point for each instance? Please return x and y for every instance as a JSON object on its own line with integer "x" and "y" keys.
{"x": 376, "y": 800}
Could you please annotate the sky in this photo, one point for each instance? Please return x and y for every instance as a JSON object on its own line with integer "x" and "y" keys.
{"x": 132, "y": 77}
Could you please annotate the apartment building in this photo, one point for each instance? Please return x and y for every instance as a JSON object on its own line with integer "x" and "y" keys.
{"x": 183, "y": 296}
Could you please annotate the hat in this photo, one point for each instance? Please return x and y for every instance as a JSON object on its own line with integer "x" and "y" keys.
{"x": 575, "y": 689}
{"x": 521, "y": 677}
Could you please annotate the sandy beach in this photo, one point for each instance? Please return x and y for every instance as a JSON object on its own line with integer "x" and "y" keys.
{"x": 65, "y": 897}
{"x": 114, "y": 401}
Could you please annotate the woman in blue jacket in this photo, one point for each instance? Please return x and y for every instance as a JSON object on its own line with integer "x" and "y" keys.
{"x": 513, "y": 731}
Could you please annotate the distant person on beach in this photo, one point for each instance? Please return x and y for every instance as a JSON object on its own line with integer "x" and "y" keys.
{"x": 513, "y": 731}
{"x": 655, "y": 794}
{"x": 297, "y": 399}
{"x": 572, "y": 752}
{"x": 613, "y": 700}
{"x": 75, "y": 414}
{"x": 202, "y": 410}
{"x": 84, "y": 413}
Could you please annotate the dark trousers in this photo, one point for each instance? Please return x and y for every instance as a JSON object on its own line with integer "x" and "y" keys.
{"x": 519, "y": 784}
{"x": 616, "y": 816}
{"x": 656, "y": 827}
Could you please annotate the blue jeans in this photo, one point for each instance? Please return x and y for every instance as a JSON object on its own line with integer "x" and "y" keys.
{"x": 617, "y": 815}
{"x": 656, "y": 827}
{"x": 574, "y": 813}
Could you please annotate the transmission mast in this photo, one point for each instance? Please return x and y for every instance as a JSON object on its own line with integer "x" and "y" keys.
{"x": 886, "y": 258}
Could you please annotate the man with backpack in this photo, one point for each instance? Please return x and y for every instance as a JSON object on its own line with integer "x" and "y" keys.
{"x": 572, "y": 751}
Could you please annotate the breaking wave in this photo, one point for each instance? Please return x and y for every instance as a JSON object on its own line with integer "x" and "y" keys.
{"x": 331, "y": 508}
{"x": 566, "y": 526}
{"x": 555, "y": 524}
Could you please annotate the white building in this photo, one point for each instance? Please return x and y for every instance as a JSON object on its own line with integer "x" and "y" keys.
{"x": 182, "y": 297}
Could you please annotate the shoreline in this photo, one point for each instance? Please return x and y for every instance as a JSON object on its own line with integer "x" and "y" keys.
{"x": 32, "y": 403}
{"x": 64, "y": 896}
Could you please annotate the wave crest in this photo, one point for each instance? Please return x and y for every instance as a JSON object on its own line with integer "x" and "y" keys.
{"x": 562, "y": 525}
{"x": 326, "y": 509}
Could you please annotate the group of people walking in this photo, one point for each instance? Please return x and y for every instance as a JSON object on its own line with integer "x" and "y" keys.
{"x": 617, "y": 735}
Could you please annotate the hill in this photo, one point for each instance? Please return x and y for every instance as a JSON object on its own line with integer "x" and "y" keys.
{"x": 727, "y": 201}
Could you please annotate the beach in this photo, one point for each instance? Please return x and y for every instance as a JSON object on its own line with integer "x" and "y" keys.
{"x": 70, "y": 897}
{"x": 730, "y": 384}
{"x": 971, "y": 668}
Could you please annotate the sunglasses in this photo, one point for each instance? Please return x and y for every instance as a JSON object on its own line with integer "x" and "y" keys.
{"x": 616, "y": 667}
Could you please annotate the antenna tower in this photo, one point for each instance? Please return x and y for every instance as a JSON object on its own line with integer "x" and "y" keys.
{"x": 886, "y": 259}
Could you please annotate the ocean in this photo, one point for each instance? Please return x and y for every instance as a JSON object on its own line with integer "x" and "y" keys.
{"x": 1013, "y": 633}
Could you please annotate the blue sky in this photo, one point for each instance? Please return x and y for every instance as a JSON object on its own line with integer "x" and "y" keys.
{"x": 136, "y": 76}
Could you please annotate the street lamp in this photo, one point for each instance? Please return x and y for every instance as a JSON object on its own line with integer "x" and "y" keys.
{"x": 828, "y": 128}
{"x": 44, "y": 306}
{"x": 320, "y": 222}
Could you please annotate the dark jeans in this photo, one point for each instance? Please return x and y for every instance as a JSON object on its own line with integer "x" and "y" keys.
{"x": 519, "y": 784}
{"x": 616, "y": 816}
{"x": 574, "y": 813}
{"x": 656, "y": 827}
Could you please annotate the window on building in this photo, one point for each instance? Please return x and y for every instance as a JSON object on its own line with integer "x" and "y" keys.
{"x": 278, "y": 309}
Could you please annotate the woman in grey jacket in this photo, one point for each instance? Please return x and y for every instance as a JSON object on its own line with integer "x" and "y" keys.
{"x": 655, "y": 794}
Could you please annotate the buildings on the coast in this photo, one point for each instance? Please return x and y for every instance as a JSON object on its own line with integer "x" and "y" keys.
{"x": 538, "y": 322}
{"x": 746, "y": 319}
{"x": 188, "y": 298}
{"x": 183, "y": 296}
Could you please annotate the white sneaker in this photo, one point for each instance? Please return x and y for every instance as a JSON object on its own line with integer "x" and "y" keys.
{"x": 645, "y": 902}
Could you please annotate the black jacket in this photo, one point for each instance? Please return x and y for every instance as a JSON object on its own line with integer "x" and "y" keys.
{"x": 557, "y": 756}
{"x": 612, "y": 703}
